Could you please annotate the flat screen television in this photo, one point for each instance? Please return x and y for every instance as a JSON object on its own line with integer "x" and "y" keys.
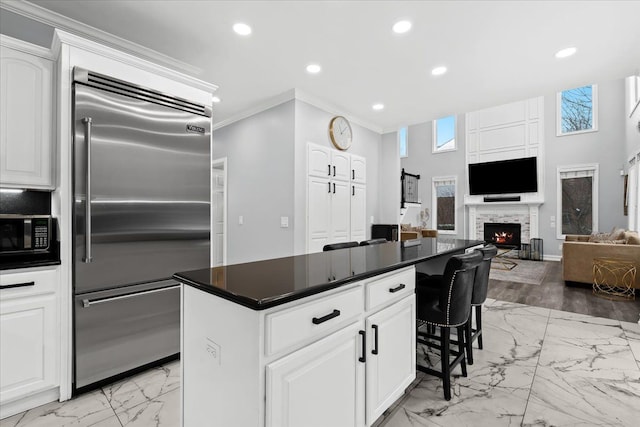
{"x": 504, "y": 177}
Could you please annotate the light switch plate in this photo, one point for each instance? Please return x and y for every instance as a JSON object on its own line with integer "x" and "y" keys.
{"x": 240, "y": 220}
{"x": 284, "y": 222}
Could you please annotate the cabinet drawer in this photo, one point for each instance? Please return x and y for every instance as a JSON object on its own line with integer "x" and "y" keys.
{"x": 391, "y": 287}
{"x": 26, "y": 283}
{"x": 312, "y": 320}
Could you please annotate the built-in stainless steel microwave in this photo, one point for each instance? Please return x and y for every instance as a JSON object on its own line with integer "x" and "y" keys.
{"x": 24, "y": 233}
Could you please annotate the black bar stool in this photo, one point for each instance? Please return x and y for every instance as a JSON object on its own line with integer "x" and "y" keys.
{"x": 341, "y": 245}
{"x": 480, "y": 287}
{"x": 373, "y": 242}
{"x": 448, "y": 306}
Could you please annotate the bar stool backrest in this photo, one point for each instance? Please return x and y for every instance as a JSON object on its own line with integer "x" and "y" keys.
{"x": 481, "y": 281}
{"x": 341, "y": 245}
{"x": 457, "y": 287}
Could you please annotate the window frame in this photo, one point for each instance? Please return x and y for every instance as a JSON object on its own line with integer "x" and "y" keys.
{"x": 434, "y": 203}
{"x": 594, "y": 167}
{"x": 594, "y": 112}
{"x": 434, "y": 135}
{"x": 406, "y": 154}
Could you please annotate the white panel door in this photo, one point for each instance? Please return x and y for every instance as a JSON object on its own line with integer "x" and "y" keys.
{"x": 319, "y": 213}
{"x": 358, "y": 169}
{"x": 26, "y": 112}
{"x": 27, "y": 346}
{"x": 318, "y": 160}
{"x": 340, "y": 165}
{"x": 218, "y": 217}
{"x": 340, "y": 207}
{"x": 391, "y": 358}
{"x": 302, "y": 389}
{"x": 358, "y": 212}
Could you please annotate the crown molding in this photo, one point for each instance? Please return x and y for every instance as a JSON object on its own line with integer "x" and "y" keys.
{"x": 259, "y": 108}
{"x": 26, "y": 47}
{"x": 299, "y": 95}
{"x": 69, "y": 25}
{"x": 61, "y": 37}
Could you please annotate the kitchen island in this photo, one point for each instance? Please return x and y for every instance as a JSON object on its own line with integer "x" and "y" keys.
{"x": 324, "y": 339}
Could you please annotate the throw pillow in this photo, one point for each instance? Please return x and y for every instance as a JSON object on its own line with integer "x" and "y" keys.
{"x": 630, "y": 234}
{"x": 596, "y": 237}
{"x": 633, "y": 240}
{"x": 616, "y": 234}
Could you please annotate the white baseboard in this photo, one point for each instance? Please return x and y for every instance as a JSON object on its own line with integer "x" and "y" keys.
{"x": 552, "y": 258}
{"x": 29, "y": 402}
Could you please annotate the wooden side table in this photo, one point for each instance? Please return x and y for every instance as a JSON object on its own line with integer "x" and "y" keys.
{"x": 613, "y": 278}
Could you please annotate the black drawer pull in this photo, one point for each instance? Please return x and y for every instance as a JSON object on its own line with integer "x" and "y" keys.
{"x": 318, "y": 320}
{"x": 18, "y": 285}
{"x": 400, "y": 287}
{"x": 375, "y": 339}
{"x": 329, "y": 166}
{"x": 363, "y": 359}
{"x": 334, "y": 171}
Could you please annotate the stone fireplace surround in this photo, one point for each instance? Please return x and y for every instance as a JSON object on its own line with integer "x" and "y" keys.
{"x": 524, "y": 213}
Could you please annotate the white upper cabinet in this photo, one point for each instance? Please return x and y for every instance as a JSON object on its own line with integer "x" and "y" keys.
{"x": 340, "y": 165}
{"x": 26, "y": 117}
{"x": 319, "y": 159}
{"x": 358, "y": 169}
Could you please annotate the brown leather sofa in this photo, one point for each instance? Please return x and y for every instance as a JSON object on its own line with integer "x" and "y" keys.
{"x": 578, "y": 254}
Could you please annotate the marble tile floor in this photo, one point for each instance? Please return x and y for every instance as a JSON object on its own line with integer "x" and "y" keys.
{"x": 539, "y": 367}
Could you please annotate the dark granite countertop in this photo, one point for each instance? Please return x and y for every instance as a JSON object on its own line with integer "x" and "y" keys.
{"x": 264, "y": 284}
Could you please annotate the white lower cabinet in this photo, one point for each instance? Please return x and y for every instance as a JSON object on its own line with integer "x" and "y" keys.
{"x": 391, "y": 359}
{"x": 320, "y": 385}
{"x": 27, "y": 346}
{"x": 335, "y": 359}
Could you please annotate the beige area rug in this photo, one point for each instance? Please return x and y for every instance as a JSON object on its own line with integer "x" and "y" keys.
{"x": 529, "y": 272}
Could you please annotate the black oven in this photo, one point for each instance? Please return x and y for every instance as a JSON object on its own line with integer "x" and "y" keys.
{"x": 25, "y": 234}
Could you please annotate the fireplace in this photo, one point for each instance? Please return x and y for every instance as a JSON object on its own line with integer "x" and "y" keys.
{"x": 503, "y": 235}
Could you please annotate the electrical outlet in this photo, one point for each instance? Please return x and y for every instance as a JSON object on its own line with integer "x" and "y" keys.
{"x": 240, "y": 220}
{"x": 284, "y": 222}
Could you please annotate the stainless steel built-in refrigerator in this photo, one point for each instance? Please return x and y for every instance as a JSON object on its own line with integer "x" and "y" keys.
{"x": 141, "y": 213}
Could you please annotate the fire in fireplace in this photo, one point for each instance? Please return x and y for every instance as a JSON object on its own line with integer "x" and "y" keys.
{"x": 502, "y": 234}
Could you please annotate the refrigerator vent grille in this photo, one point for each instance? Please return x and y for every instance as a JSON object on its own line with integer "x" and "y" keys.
{"x": 111, "y": 84}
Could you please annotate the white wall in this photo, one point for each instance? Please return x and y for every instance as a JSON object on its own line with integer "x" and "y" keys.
{"x": 422, "y": 161}
{"x": 260, "y": 170}
{"x": 389, "y": 180}
{"x": 632, "y": 122}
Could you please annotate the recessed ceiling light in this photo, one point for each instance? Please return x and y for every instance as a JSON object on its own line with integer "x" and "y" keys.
{"x": 242, "y": 29}
{"x": 313, "y": 68}
{"x": 378, "y": 107}
{"x": 563, "y": 53}
{"x": 401, "y": 27}
{"x": 215, "y": 99}
{"x": 438, "y": 71}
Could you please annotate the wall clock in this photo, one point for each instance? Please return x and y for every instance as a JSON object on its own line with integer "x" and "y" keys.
{"x": 340, "y": 132}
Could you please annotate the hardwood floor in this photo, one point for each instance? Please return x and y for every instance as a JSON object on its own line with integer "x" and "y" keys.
{"x": 553, "y": 293}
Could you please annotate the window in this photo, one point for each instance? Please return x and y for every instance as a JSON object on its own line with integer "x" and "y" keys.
{"x": 403, "y": 142}
{"x": 444, "y": 204}
{"x": 577, "y": 200}
{"x": 444, "y": 134}
{"x": 577, "y": 110}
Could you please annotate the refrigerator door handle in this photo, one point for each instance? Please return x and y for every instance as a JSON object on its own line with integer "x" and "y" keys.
{"x": 87, "y": 204}
{"x": 86, "y": 303}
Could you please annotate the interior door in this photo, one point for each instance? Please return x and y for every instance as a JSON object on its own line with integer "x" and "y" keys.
{"x": 218, "y": 209}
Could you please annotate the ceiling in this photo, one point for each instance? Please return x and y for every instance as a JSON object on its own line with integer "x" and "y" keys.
{"x": 495, "y": 51}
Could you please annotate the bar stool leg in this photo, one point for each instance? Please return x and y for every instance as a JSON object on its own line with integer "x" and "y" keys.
{"x": 444, "y": 362}
{"x": 468, "y": 338}
{"x": 461, "y": 348}
{"x": 479, "y": 325}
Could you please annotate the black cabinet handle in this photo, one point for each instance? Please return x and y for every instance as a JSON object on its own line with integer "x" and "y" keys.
{"x": 353, "y": 190}
{"x": 18, "y": 285}
{"x": 400, "y": 287}
{"x": 329, "y": 184}
{"x": 353, "y": 174}
{"x": 318, "y": 320}
{"x": 334, "y": 188}
{"x": 329, "y": 171}
{"x": 375, "y": 339}
{"x": 334, "y": 171}
{"x": 363, "y": 359}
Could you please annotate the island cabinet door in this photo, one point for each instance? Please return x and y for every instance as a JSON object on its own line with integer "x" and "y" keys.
{"x": 391, "y": 357}
{"x": 320, "y": 385}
